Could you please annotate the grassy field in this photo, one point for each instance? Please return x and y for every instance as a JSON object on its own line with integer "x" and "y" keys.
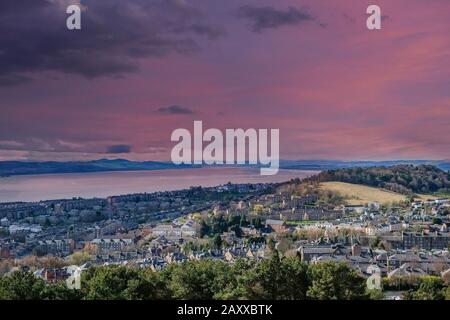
{"x": 356, "y": 194}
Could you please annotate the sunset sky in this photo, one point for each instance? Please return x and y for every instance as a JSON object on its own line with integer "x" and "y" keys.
{"x": 139, "y": 69}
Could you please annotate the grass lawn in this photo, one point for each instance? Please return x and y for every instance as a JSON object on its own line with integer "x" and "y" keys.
{"x": 357, "y": 194}
{"x": 298, "y": 223}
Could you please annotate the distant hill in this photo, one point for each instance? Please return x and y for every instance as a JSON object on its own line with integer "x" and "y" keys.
{"x": 10, "y": 168}
{"x": 404, "y": 179}
{"x": 337, "y": 164}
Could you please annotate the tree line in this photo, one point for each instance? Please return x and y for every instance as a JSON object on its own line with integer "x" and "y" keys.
{"x": 404, "y": 179}
{"x": 276, "y": 278}
{"x": 219, "y": 224}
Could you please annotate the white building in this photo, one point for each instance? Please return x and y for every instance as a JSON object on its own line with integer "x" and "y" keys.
{"x": 16, "y": 228}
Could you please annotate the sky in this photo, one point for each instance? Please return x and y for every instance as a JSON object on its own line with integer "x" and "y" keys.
{"x": 139, "y": 69}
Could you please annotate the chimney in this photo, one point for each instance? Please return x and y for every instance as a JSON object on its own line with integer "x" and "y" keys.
{"x": 356, "y": 250}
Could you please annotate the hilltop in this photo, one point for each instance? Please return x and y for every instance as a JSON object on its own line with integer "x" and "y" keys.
{"x": 357, "y": 194}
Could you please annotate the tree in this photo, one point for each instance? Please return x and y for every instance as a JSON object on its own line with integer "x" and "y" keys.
{"x": 217, "y": 241}
{"x": 335, "y": 281}
{"x": 219, "y": 225}
{"x": 235, "y": 289}
{"x": 275, "y": 278}
{"x": 271, "y": 244}
{"x": 47, "y": 223}
{"x": 108, "y": 283}
{"x": 60, "y": 291}
{"x": 257, "y": 223}
{"x": 261, "y": 282}
{"x": 294, "y": 279}
{"x": 375, "y": 294}
{"x": 117, "y": 282}
{"x": 79, "y": 258}
{"x": 204, "y": 229}
{"x": 374, "y": 243}
{"x": 430, "y": 288}
{"x": 199, "y": 280}
{"x": 237, "y": 231}
{"x": 149, "y": 285}
{"x": 21, "y": 285}
{"x": 234, "y": 221}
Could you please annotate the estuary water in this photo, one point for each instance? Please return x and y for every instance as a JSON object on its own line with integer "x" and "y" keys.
{"x": 104, "y": 184}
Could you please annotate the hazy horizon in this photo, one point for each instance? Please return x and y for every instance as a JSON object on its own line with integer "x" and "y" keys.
{"x": 113, "y": 158}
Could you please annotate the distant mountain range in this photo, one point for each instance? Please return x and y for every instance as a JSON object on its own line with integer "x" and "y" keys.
{"x": 10, "y": 168}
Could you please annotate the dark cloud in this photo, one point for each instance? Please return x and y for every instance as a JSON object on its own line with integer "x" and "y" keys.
{"x": 12, "y": 6}
{"x": 13, "y": 80}
{"x": 119, "y": 148}
{"x": 58, "y": 145}
{"x": 175, "y": 110}
{"x": 262, "y": 18}
{"x": 115, "y": 35}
